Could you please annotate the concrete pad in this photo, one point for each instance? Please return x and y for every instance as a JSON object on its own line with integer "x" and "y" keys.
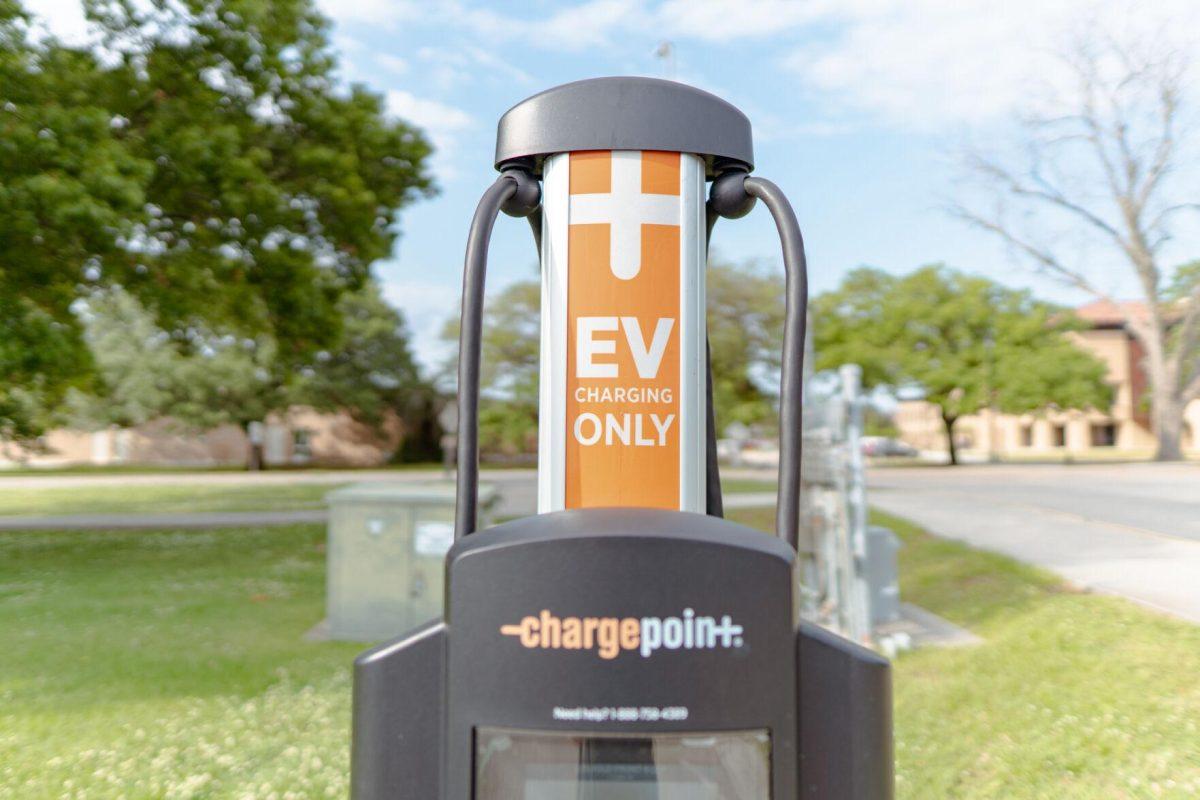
{"x": 920, "y": 628}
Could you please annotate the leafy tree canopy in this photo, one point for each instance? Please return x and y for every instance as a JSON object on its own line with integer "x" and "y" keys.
{"x": 967, "y": 342}
{"x": 745, "y": 338}
{"x": 372, "y": 372}
{"x": 67, "y": 187}
{"x": 272, "y": 190}
{"x": 144, "y": 374}
{"x": 508, "y": 412}
{"x": 205, "y": 159}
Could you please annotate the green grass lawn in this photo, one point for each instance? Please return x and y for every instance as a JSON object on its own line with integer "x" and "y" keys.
{"x": 172, "y": 664}
{"x": 169, "y": 665}
{"x": 1071, "y": 695}
{"x": 109, "y": 499}
{"x": 167, "y": 498}
{"x": 746, "y": 485}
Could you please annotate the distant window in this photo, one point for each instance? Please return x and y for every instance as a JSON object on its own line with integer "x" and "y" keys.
{"x": 301, "y": 446}
{"x": 1104, "y": 435}
{"x": 1059, "y": 435}
{"x": 1026, "y": 436}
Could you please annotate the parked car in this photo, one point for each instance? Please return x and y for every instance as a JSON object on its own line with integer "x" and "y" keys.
{"x": 883, "y": 446}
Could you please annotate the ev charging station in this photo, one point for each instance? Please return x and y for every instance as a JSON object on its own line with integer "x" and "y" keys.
{"x": 625, "y": 643}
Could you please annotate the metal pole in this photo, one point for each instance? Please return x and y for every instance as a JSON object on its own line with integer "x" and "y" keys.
{"x": 856, "y": 501}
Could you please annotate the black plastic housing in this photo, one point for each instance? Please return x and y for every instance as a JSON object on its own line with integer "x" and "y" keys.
{"x": 418, "y": 701}
{"x": 624, "y": 113}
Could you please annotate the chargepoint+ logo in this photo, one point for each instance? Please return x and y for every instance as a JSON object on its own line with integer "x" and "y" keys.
{"x": 610, "y": 636}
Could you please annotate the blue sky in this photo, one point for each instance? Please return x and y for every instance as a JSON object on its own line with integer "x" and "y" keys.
{"x": 858, "y": 108}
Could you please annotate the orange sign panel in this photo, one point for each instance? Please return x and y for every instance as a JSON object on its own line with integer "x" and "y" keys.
{"x": 623, "y": 329}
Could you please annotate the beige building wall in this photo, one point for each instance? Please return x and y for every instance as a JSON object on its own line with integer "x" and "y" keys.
{"x": 1125, "y": 426}
{"x": 301, "y": 436}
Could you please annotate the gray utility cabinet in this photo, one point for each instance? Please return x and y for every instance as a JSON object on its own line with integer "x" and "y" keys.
{"x": 883, "y": 575}
{"x": 386, "y": 551}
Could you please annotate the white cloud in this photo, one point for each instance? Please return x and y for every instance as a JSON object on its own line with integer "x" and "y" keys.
{"x": 373, "y": 13}
{"x": 596, "y": 23}
{"x": 916, "y": 63}
{"x": 498, "y": 66}
{"x": 62, "y": 18}
{"x": 453, "y": 66}
{"x": 927, "y": 63}
{"x": 589, "y": 24}
{"x": 392, "y": 63}
{"x": 922, "y": 64}
{"x": 432, "y": 115}
{"x": 442, "y": 122}
{"x": 722, "y": 20}
{"x": 426, "y": 306}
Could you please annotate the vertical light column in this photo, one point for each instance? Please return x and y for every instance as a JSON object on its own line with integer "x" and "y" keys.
{"x": 552, "y": 384}
{"x": 622, "y": 406}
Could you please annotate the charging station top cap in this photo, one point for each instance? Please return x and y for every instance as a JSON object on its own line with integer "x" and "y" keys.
{"x": 624, "y": 113}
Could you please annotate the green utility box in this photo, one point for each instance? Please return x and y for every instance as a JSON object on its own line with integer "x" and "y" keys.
{"x": 386, "y": 556}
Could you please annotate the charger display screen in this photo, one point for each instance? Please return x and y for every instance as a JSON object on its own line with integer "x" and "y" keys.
{"x": 526, "y": 765}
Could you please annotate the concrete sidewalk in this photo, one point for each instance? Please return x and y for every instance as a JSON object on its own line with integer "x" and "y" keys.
{"x": 1126, "y": 529}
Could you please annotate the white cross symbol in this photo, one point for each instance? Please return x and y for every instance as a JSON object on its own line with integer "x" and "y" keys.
{"x": 625, "y": 209}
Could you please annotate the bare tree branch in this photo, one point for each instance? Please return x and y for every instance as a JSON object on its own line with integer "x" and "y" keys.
{"x": 1054, "y": 196}
{"x": 1161, "y": 218}
{"x": 1047, "y": 193}
{"x": 1054, "y": 266}
{"x": 1046, "y": 259}
{"x": 1125, "y": 122}
{"x": 1090, "y": 117}
{"x": 1192, "y": 391}
{"x": 1164, "y": 150}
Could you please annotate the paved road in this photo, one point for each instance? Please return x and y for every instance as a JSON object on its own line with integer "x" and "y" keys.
{"x": 1126, "y": 529}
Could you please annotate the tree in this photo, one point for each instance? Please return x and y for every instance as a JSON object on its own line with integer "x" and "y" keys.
{"x": 273, "y": 191}
{"x": 137, "y": 365}
{"x": 745, "y": 339}
{"x": 508, "y": 382}
{"x": 67, "y": 188}
{"x": 144, "y": 374}
{"x": 211, "y": 165}
{"x": 966, "y": 342}
{"x": 1103, "y": 166}
{"x": 372, "y": 373}
{"x": 229, "y": 379}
